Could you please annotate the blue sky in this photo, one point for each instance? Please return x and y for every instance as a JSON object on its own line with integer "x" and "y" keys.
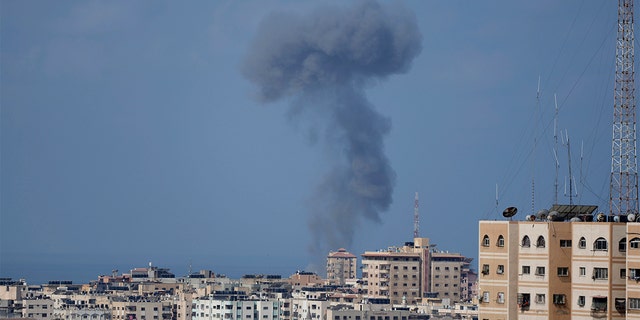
{"x": 129, "y": 133}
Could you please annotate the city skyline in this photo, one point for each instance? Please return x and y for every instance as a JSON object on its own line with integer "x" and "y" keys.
{"x": 130, "y": 135}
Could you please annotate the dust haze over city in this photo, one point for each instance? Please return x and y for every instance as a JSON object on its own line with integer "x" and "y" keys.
{"x": 158, "y": 131}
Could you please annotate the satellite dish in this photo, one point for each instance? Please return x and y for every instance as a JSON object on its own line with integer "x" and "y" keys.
{"x": 510, "y": 212}
{"x": 575, "y": 219}
{"x": 600, "y": 217}
{"x": 542, "y": 214}
{"x": 553, "y": 215}
{"x": 631, "y": 217}
{"x": 616, "y": 218}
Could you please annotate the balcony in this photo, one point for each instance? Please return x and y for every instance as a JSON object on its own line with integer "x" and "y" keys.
{"x": 599, "y": 307}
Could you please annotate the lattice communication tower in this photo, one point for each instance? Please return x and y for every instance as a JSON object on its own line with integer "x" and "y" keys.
{"x": 623, "y": 193}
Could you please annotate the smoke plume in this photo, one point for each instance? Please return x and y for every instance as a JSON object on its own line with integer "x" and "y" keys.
{"x": 323, "y": 62}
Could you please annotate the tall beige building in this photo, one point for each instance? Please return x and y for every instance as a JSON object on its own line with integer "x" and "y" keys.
{"x": 449, "y": 273}
{"x": 400, "y": 274}
{"x": 341, "y": 265}
{"x": 567, "y": 267}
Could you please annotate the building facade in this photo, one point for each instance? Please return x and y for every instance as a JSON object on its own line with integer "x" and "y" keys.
{"x": 449, "y": 273}
{"x": 341, "y": 265}
{"x": 209, "y": 309}
{"x": 570, "y": 268}
{"x": 37, "y": 308}
{"x": 400, "y": 274}
{"x": 141, "y": 308}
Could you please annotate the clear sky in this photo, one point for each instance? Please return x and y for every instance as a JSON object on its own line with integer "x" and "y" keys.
{"x": 132, "y": 131}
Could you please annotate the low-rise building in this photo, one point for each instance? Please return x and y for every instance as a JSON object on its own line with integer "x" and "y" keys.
{"x": 40, "y": 308}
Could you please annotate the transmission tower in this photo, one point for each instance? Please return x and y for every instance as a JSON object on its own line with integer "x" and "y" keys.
{"x": 623, "y": 193}
{"x": 416, "y": 219}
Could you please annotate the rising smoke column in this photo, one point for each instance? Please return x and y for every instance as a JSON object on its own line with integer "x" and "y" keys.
{"x": 323, "y": 62}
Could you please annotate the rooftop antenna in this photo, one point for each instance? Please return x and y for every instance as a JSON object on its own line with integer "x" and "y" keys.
{"x": 496, "y": 197}
{"x": 623, "y": 189}
{"x": 568, "y": 144}
{"x": 581, "y": 160}
{"x": 533, "y": 161}
{"x": 555, "y": 149}
{"x": 416, "y": 218}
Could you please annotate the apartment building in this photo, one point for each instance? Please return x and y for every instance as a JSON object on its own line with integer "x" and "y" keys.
{"x": 141, "y": 308}
{"x": 305, "y": 278}
{"x": 40, "y": 308}
{"x": 11, "y": 294}
{"x": 308, "y": 306}
{"x": 209, "y": 308}
{"x": 560, "y": 265}
{"x": 449, "y": 273}
{"x": 341, "y": 265}
{"x": 364, "y": 313}
{"x": 399, "y": 273}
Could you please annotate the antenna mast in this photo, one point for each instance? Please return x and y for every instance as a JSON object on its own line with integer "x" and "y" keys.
{"x": 416, "y": 219}
{"x": 535, "y": 143}
{"x": 623, "y": 192}
{"x": 555, "y": 148}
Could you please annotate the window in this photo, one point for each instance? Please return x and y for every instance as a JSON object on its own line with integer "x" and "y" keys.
{"x": 559, "y": 299}
{"x": 583, "y": 271}
{"x": 634, "y": 274}
{"x": 500, "y": 241}
{"x": 582, "y": 244}
{"x": 540, "y": 243}
{"x": 634, "y": 303}
{"x": 623, "y": 273}
{"x": 500, "y": 269}
{"x": 526, "y": 242}
{"x": 565, "y": 243}
{"x": 485, "y": 296}
{"x": 581, "y": 301}
{"x": 500, "y": 297}
{"x": 600, "y": 244}
{"x": 600, "y": 273}
{"x": 526, "y": 270}
{"x": 634, "y": 243}
{"x": 539, "y": 271}
{"x": 563, "y": 271}
{"x": 599, "y": 304}
{"x": 622, "y": 245}
{"x": 485, "y": 269}
{"x": 485, "y": 241}
{"x": 540, "y": 298}
{"x": 524, "y": 300}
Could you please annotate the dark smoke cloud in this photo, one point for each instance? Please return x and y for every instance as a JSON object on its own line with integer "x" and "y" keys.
{"x": 323, "y": 61}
